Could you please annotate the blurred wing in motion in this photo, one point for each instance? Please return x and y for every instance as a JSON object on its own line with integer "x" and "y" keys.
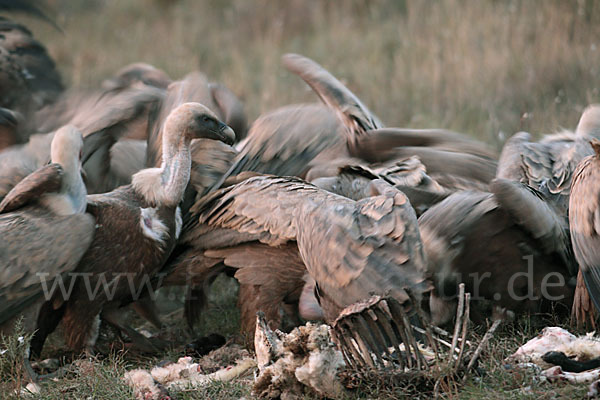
{"x": 288, "y": 141}
{"x": 34, "y": 8}
{"x": 533, "y": 213}
{"x": 231, "y": 109}
{"x": 137, "y": 73}
{"x": 380, "y": 142}
{"x": 454, "y": 171}
{"x": 355, "y": 116}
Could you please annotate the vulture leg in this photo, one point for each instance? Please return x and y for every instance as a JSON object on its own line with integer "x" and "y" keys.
{"x": 250, "y": 301}
{"x": 115, "y": 316}
{"x": 145, "y": 307}
{"x": 308, "y": 306}
{"x": 35, "y": 377}
{"x": 583, "y": 313}
{"x": 48, "y": 320}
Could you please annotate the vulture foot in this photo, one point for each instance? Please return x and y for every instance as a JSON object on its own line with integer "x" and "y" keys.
{"x": 36, "y": 378}
{"x": 583, "y": 313}
{"x": 204, "y": 345}
{"x": 139, "y": 342}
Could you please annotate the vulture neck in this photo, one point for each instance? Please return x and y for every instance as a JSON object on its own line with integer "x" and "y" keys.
{"x": 71, "y": 198}
{"x": 166, "y": 185}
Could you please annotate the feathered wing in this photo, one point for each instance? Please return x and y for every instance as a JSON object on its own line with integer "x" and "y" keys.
{"x": 287, "y": 141}
{"x": 355, "y": 116}
{"x": 510, "y": 162}
{"x": 458, "y": 170}
{"x": 230, "y": 109}
{"x": 114, "y": 110}
{"x": 276, "y": 273}
{"x": 194, "y": 87}
{"x": 350, "y": 248}
{"x": 103, "y": 121}
{"x": 356, "y": 249}
{"x": 565, "y": 164}
{"x": 264, "y": 206}
{"x": 210, "y": 160}
{"x": 408, "y": 175}
{"x": 45, "y": 179}
{"x": 390, "y": 138}
{"x": 584, "y": 222}
{"x": 29, "y": 7}
{"x": 547, "y": 165}
{"x": 19, "y": 161}
{"x": 34, "y": 248}
{"x": 536, "y": 216}
{"x": 442, "y": 228}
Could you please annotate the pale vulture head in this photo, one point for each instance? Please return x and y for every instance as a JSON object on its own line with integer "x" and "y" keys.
{"x": 589, "y": 123}
{"x": 192, "y": 121}
{"x": 66, "y": 147}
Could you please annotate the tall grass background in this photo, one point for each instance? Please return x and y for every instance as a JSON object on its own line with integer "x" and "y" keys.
{"x": 484, "y": 67}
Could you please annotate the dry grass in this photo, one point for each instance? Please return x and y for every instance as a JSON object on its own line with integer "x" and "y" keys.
{"x": 475, "y": 66}
{"x": 469, "y": 65}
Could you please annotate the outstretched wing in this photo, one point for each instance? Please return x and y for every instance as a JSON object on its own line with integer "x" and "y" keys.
{"x": 355, "y": 116}
{"x": 356, "y": 249}
{"x": 265, "y": 206}
{"x": 286, "y": 141}
{"x": 390, "y": 138}
{"x": 230, "y": 109}
{"x": 350, "y": 248}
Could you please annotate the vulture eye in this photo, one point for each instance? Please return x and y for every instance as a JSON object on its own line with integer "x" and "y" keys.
{"x": 205, "y": 118}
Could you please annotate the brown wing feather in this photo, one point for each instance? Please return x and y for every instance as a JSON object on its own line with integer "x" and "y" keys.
{"x": 287, "y": 141}
{"x": 278, "y": 269}
{"x": 510, "y": 163}
{"x": 355, "y": 116}
{"x": 17, "y": 162}
{"x": 389, "y": 138}
{"x": 194, "y": 87}
{"x": 34, "y": 243}
{"x": 271, "y": 276}
{"x": 350, "y": 248}
{"x": 264, "y": 206}
{"x": 436, "y": 161}
{"x": 584, "y": 222}
{"x": 231, "y": 109}
{"x": 547, "y": 165}
{"x": 46, "y": 179}
{"x": 531, "y": 212}
{"x": 354, "y": 250}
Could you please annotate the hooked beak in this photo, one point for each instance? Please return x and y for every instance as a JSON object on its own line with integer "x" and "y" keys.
{"x": 226, "y": 134}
